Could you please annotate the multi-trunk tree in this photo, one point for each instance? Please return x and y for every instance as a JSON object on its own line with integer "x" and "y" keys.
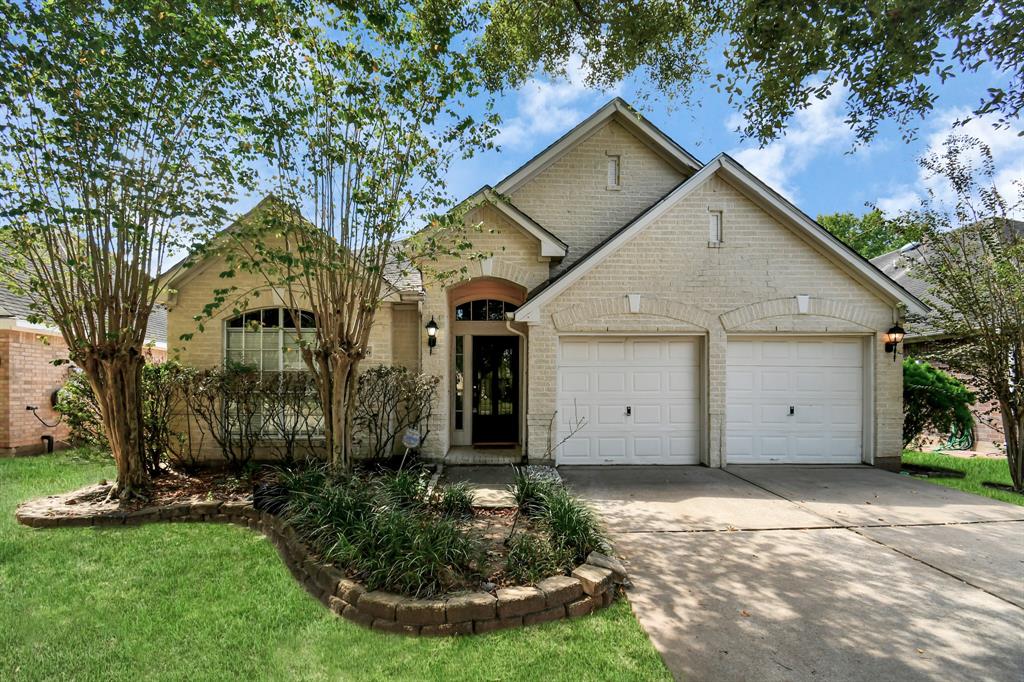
{"x": 972, "y": 257}
{"x": 120, "y": 140}
{"x": 359, "y": 142}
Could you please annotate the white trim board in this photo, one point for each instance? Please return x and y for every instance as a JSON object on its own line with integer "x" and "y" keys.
{"x": 762, "y": 195}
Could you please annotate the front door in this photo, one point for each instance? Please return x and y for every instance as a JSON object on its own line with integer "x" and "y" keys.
{"x": 495, "y": 389}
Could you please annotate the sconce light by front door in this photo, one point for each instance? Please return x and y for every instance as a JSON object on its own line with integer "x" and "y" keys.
{"x": 893, "y": 338}
{"x": 431, "y": 334}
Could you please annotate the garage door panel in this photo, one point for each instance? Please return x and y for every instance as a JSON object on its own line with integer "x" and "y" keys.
{"x": 822, "y": 379}
{"x": 656, "y": 377}
{"x": 611, "y": 382}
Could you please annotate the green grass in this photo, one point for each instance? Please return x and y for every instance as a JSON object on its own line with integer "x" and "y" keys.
{"x": 977, "y": 470}
{"x": 214, "y": 602}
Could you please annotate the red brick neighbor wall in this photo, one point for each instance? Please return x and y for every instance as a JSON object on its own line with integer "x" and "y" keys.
{"x": 28, "y": 377}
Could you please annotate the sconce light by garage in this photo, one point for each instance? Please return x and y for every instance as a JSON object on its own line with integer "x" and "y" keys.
{"x": 893, "y": 338}
{"x": 431, "y": 334}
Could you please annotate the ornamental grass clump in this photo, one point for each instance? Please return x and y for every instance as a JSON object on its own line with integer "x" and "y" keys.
{"x": 572, "y": 526}
{"x": 379, "y": 529}
{"x": 529, "y": 491}
{"x": 455, "y": 499}
{"x": 531, "y": 558}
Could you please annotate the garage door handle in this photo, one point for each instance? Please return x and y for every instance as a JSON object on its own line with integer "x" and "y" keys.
{"x": 629, "y": 410}
{"x": 792, "y": 410}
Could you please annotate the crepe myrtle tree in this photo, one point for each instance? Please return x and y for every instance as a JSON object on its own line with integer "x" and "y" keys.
{"x": 889, "y": 58}
{"x": 359, "y": 144}
{"x": 972, "y": 258}
{"x": 119, "y": 143}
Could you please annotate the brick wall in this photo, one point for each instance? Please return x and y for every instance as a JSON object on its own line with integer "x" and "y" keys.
{"x": 27, "y": 377}
{"x": 571, "y": 197}
{"x": 687, "y": 286}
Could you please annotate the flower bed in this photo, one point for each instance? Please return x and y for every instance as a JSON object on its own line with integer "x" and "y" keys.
{"x": 589, "y": 587}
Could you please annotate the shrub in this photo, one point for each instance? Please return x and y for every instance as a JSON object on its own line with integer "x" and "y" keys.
{"x": 531, "y": 558}
{"x": 529, "y": 491}
{"x": 391, "y": 401}
{"x": 354, "y": 521}
{"x": 162, "y": 390}
{"x": 406, "y": 488}
{"x": 456, "y": 499}
{"x": 573, "y": 527}
{"x": 933, "y": 400}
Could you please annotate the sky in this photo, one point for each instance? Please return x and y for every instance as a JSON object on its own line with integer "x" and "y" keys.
{"x": 815, "y": 165}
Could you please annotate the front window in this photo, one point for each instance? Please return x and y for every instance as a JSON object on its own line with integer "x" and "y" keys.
{"x": 268, "y": 341}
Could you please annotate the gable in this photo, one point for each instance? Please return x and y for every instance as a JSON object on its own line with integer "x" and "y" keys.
{"x": 748, "y": 202}
{"x": 571, "y": 196}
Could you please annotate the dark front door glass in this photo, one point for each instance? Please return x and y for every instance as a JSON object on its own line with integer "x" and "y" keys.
{"x": 495, "y": 389}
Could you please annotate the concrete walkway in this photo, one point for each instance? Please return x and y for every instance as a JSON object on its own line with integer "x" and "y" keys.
{"x": 816, "y": 573}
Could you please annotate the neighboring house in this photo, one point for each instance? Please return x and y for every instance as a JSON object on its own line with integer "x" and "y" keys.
{"x": 684, "y": 312}
{"x": 28, "y": 376}
{"x": 923, "y": 337}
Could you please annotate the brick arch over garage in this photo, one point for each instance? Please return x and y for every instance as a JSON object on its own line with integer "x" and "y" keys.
{"x": 618, "y": 305}
{"x": 779, "y": 307}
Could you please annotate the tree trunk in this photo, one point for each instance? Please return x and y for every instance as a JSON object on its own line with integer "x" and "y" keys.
{"x": 1013, "y": 428}
{"x": 337, "y": 391}
{"x": 116, "y": 378}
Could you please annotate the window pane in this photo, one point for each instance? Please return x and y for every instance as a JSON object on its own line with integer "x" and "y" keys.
{"x": 460, "y": 362}
{"x": 479, "y": 310}
{"x": 462, "y": 312}
{"x": 236, "y": 322}
{"x": 494, "y": 310}
{"x": 308, "y": 320}
{"x": 271, "y": 317}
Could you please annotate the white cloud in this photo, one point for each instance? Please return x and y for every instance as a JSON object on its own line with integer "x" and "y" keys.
{"x": 547, "y": 106}
{"x": 812, "y": 131}
{"x": 903, "y": 198}
{"x": 1007, "y": 153}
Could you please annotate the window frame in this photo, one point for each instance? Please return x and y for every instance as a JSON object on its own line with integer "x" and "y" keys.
{"x": 614, "y": 181}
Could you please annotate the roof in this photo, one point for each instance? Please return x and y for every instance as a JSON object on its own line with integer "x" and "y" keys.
{"x": 898, "y": 265}
{"x": 757, "y": 191}
{"x": 619, "y": 110}
{"x": 19, "y": 306}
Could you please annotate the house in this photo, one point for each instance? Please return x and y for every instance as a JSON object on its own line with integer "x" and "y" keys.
{"x": 657, "y": 309}
{"x": 28, "y": 376}
{"x": 922, "y": 337}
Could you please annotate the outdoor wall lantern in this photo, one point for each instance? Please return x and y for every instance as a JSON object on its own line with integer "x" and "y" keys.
{"x": 431, "y": 334}
{"x": 893, "y": 338}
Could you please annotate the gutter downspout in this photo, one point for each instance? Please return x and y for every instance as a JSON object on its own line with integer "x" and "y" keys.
{"x": 524, "y": 459}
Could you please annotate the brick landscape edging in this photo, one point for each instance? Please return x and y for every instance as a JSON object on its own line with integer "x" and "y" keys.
{"x": 590, "y": 587}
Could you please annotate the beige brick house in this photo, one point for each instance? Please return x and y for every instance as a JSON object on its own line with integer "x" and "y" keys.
{"x": 658, "y": 309}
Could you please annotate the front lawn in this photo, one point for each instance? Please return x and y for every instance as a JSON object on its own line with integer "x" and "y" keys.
{"x": 976, "y": 470}
{"x": 214, "y": 602}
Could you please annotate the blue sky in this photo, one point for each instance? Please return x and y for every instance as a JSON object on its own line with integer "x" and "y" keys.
{"x": 814, "y": 165}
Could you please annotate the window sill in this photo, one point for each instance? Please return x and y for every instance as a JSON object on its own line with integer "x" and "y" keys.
{"x": 715, "y": 245}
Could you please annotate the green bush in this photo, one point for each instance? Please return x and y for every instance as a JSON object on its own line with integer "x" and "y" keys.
{"x": 529, "y": 491}
{"x": 573, "y": 527}
{"x": 456, "y": 499}
{"x": 161, "y": 389}
{"x": 531, "y": 558}
{"x": 933, "y": 400}
{"x": 358, "y": 523}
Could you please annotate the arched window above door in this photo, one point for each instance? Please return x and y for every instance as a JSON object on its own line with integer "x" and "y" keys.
{"x": 483, "y": 310}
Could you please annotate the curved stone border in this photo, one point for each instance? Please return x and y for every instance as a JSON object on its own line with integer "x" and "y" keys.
{"x": 589, "y": 588}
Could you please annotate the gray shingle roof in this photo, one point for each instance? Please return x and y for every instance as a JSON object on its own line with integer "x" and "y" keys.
{"x": 19, "y": 307}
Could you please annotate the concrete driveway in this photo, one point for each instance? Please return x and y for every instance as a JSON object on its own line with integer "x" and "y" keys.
{"x": 816, "y": 573}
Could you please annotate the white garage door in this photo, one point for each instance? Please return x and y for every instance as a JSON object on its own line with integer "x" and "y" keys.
{"x": 794, "y": 401}
{"x": 637, "y": 396}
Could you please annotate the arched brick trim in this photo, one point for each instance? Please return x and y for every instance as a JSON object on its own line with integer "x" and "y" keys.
{"x": 779, "y": 307}
{"x": 487, "y": 287}
{"x": 617, "y": 305}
